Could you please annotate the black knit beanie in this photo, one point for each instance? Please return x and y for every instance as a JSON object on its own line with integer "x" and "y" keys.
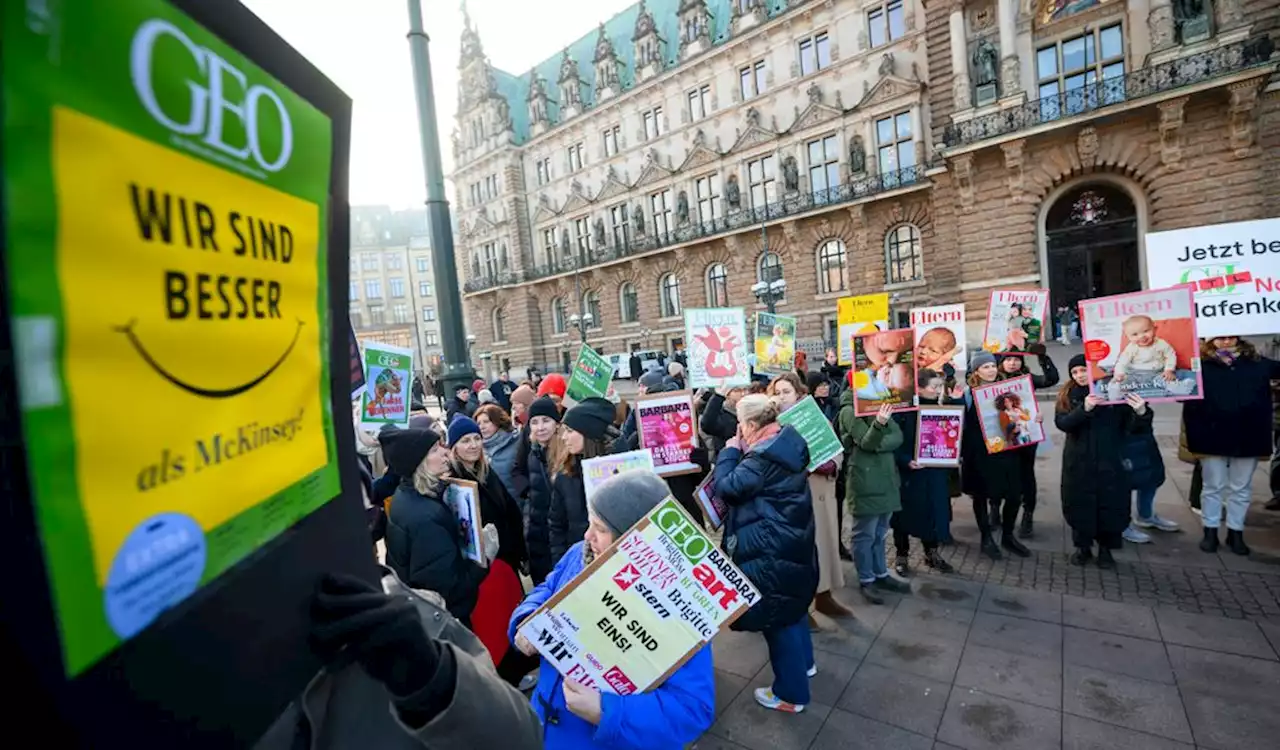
{"x": 544, "y": 407}
{"x": 405, "y": 449}
{"x": 592, "y": 417}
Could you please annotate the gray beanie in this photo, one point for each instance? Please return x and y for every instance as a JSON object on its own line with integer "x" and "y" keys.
{"x": 651, "y": 379}
{"x": 980, "y": 359}
{"x": 623, "y": 499}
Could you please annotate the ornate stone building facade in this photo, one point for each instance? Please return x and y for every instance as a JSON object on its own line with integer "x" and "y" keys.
{"x": 1071, "y": 129}
{"x": 681, "y": 152}
{"x": 687, "y": 149}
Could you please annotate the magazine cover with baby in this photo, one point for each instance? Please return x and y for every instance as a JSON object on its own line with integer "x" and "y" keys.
{"x": 1144, "y": 343}
{"x": 884, "y": 371}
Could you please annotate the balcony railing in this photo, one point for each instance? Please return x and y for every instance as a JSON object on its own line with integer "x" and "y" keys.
{"x": 656, "y": 238}
{"x": 1140, "y": 84}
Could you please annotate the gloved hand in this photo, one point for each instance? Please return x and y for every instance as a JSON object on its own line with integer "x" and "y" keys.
{"x": 489, "y": 542}
{"x": 353, "y": 621}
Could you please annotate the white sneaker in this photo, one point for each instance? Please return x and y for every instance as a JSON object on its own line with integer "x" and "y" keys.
{"x": 766, "y": 698}
{"x": 1197, "y": 511}
{"x": 1156, "y": 522}
{"x": 1137, "y": 537}
{"x": 812, "y": 671}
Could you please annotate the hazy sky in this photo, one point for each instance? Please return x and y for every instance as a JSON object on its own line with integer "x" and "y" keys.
{"x": 362, "y": 47}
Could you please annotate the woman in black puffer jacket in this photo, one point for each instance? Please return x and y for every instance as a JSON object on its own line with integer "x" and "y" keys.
{"x": 587, "y": 431}
{"x": 1015, "y": 367}
{"x": 769, "y": 533}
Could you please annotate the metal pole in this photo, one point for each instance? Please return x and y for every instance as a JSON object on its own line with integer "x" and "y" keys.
{"x": 453, "y": 335}
{"x": 768, "y": 292}
{"x": 577, "y": 289}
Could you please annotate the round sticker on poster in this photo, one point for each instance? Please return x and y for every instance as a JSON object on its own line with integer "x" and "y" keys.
{"x": 159, "y": 564}
{"x": 1096, "y": 350}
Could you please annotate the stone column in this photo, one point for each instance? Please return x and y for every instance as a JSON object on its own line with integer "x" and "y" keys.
{"x": 960, "y": 88}
{"x": 1010, "y": 70}
{"x": 1160, "y": 25}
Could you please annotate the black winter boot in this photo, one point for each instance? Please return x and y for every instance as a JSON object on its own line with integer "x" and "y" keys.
{"x": 990, "y": 548}
{"x": 1210, "y": 542}
{"x": 1007, "y": 539}
{"x": 1235, "y": 540}
{"x": 1026, "y": 531}
{"x": 1081, "y": 556}
{"x": 1105, "y": 560}
{"x": 936, "y": 562}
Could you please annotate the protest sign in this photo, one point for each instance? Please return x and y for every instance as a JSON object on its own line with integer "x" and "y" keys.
{"x": 714, "y": 508}
{"x": 1248, "y": 308}
{"x": 1143, "y": 343}
{"x": 1015, "y": 319}
{"x": 463, "y": 498}
{"x": 188, "y": 160}
{"x": 939, "y": 341}
{"x": 938, "y": 431}
{"x": 596, "y": 470}
{"x": 1008, "y": 414}
{"x": 666, "y": 422}
{"x": 862, "y": 314}
{"x": 775, "y": 343}
{"x": 357, "y": 362}
{"x": 389, "y": 377}
{"x": 591, "y": 376}
{"x": 717, "y": 339}
{"x": 807, "y": 418}
{"x": 643, "y": 608}
{"x": 884, "y": 371}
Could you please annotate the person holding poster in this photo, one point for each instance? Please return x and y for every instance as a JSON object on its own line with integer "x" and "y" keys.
{"x": 1096, "y": 488}
{"x": 1015, "y": 366}
{"x": 925, "y": 491}
{"x": 423, "y": 544}
{"x": 669, "y": 717}
{"x": 939, "y": 349}
{"x": 1229, "y": 429}
{"x": 884, "y": 370}
{"x": 586, "y": 432}
{"x": 762, "y": 476}
{"x": 992, "y": 480}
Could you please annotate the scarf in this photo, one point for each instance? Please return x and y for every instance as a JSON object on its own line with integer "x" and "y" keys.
{"x": 1228, "y": 357}
{"x": 1078, "y": 392}
{"x": 764, "y": 433}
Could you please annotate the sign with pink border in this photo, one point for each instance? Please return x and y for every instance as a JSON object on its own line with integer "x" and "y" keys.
{"x": 1143, "y": 343}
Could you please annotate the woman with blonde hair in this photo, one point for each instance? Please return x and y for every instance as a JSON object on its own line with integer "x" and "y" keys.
{"x": 769, "y": 533}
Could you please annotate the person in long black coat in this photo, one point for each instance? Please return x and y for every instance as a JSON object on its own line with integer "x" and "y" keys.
{"x": 542, "y": 430}
{"x": 992, "y": 480}
{"x": 1016, "y": 367}
{"x": 926, "y": 502}
{"x": 1097, "y": 490}
{"x": 586, "y": 432}
{"x": 1230, "y": 429}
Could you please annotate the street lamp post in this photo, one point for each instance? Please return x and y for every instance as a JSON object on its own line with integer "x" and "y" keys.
{"x": 771, "y": 287}
{"x": 457, "y": 359}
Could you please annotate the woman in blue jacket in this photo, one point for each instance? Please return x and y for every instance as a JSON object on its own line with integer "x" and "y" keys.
{"x": 670, "y": 716}
{"x": 769, "y": 533}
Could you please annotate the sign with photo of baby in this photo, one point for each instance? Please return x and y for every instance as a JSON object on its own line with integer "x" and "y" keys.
{"x": 939, "y": 341}
{"x": 1015, "y": 320}
{"x": 884, "y": 371}
{"x": 775, "y": 343}
{"x": 1008, "y": 414}
{"x": 1144, "y": 343}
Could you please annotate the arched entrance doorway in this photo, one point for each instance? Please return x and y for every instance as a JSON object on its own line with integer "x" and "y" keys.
{"x": 1091, "y": 244}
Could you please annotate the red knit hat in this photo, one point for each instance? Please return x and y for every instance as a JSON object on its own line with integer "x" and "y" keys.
{"x": 553, "y": 384}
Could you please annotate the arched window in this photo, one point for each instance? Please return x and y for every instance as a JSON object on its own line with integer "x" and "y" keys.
{"x": 591, "y": 306}
{"x": 769, "y": 267}
{"x": 559, "y": 321}
{"x": 669, "y": 296}
{"x": 832, "y": 273}
{"x": 629, "y": 302}
{"x": 902, "y": 254}
{"x": 717, "y": 285}
{"x": 499, "y": 324}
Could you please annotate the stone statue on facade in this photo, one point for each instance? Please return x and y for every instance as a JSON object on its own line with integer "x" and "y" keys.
{"x": 857, "y": 156}
{"x": 598, "y": 231}
{"x": 791, "y": 175}
{"x": 986, "y": 62}
{"x": 637, "y": 219}
{"x": 565, "y": 249}
{"x": 733, "y": 193}
{"x": 1191, "y": 18}
{"x": 682, "y": 207}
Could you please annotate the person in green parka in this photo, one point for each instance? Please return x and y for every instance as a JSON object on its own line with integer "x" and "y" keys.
{"x": 871, "y": 492}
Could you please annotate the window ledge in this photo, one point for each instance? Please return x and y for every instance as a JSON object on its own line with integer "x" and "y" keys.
{"x": 832, "y": 295}
{"x": 632, "y": 324}
{"x": 671, "y": 318}
{"x": 917, "y": 283}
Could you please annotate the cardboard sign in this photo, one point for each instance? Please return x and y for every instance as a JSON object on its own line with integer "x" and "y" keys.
{"x": 595, "y": 471}
{"x": 386, "y": 395}
{"x": 775, "y": 344}
{"x": 463, "y": 498}
{"x": 855, "y": 315}
{"x": 807, "y": 418}
{"x": 1008, "y": 414}
{"x": 714, "y": 508}
{"x": 1241, "y": 259}
{"x": 357, "y": 362}
{"x": 667, "y": 426}
{"x": 592, "y": 374}
{"x": 1143, "y": 343}
{"x": 884, "y": 371}
{"x": 1015, "y": 320}
{"x": 939, "y": 341}
{"x": 938, "y": 431}
{"x": 643, "y": 608}
{"x": 717, "y": 339}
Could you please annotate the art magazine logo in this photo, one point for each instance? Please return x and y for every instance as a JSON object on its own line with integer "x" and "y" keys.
{"x": 627, "y": 577}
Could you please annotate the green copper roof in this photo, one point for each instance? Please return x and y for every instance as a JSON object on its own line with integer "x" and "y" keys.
{"x": 619, "y": 29}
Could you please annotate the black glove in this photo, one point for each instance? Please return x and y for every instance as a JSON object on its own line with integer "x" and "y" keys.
{"x": 353, "y": 621}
